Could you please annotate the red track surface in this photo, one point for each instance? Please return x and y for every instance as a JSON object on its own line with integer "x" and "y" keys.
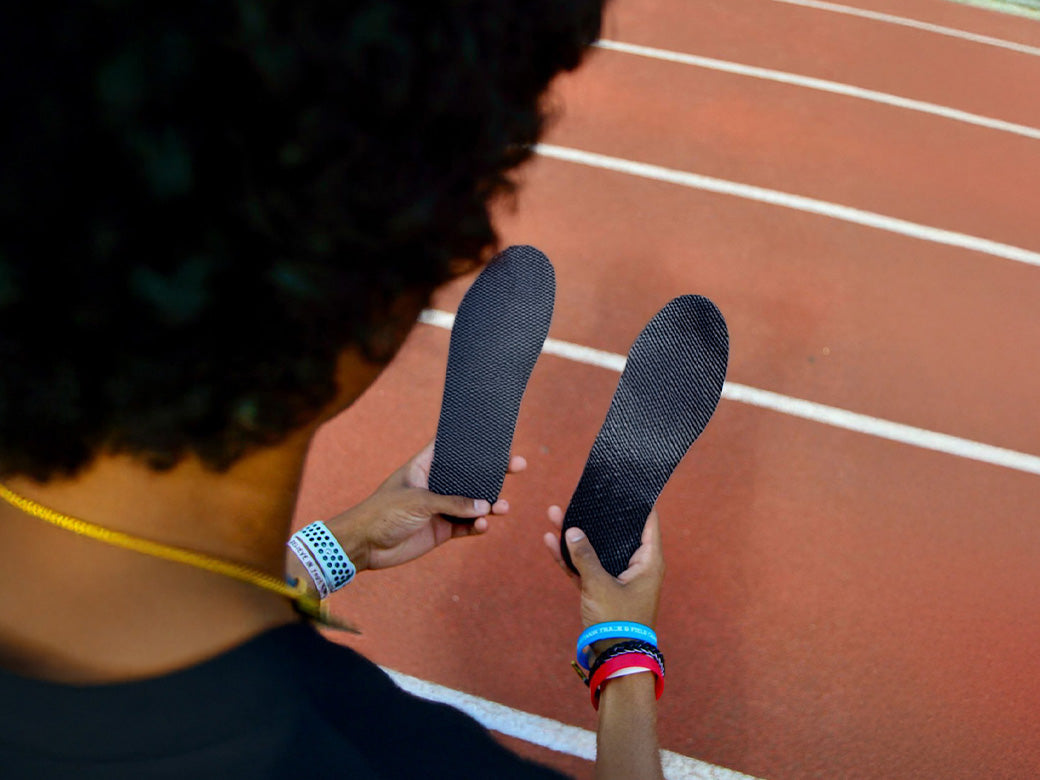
{"x": 837, "y": 605}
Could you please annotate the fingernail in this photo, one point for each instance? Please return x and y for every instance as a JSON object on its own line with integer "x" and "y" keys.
{"x": 481, "y": 506}
{"x": 574, "y": 535}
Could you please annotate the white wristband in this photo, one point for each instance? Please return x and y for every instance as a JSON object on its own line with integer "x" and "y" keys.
{"x": 325, "y": 561}
{"x": 311, "y": 565}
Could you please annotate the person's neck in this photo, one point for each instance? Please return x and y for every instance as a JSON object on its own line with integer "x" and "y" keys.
{"x": 79, "y": 610}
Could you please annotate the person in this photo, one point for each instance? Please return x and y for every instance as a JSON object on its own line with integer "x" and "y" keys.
{"x": 218, "y": 222}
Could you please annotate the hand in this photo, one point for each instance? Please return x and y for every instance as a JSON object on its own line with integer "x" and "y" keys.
{"x": 403, "y": 520}
{"x": 632, "y": 595}
{"x": 627, "y": 730}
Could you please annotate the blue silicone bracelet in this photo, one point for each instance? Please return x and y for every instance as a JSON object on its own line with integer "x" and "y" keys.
{"x": 619, "y": 629}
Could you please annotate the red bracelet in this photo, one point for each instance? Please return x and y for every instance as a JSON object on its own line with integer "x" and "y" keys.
{"x": 626, "y": 661}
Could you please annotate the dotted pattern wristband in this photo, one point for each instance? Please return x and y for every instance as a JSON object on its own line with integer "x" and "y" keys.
{"x": 335, "y": 567}
{"x": 620, "y": 629}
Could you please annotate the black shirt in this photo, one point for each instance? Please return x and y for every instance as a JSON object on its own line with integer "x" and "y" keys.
{"x": 287, "y": 704}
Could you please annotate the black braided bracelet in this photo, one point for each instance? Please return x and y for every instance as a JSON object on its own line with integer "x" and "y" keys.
{"x": 628, "y": 646}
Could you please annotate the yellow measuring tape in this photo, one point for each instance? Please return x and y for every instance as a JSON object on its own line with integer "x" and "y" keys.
{"x": 309, "y": 605}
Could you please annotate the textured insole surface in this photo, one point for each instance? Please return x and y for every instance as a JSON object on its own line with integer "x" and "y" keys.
{"x": 498, "y": 334}
{"x": 668, "y": 391}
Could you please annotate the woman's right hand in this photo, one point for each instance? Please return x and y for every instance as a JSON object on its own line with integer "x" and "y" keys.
{"x": 626, "y": 741}
{"x": 632, "y": 595}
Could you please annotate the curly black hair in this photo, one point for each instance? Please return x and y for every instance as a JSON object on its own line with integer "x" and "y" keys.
{"x": 203, "y": 202}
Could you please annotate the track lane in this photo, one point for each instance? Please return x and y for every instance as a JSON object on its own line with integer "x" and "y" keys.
{"x": 870, "y": 54}
{"x": 919, "y": 24}
{"x": 953, "y": 13}
{"x": 899, "y": 163}
{"x": 821, "y": 85}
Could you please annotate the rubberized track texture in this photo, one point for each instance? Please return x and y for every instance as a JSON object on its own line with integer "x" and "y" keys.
{"x": 668, "y": 391}
{"x": 499, "y": 331}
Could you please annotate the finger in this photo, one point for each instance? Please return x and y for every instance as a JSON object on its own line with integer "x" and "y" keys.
{"x": 424, "y": 457}
{"x": 455, "y": 506}
{"x": 652, "y": 534}
{"x": 555, "y": 515}
{"x": 476, "y": 528}
{"x": 517, "y": 463}
{"x": 648, "y": 556}
{"x": 500, "y": 507}
{"x": 650, "y": 539}
{"x": 416, "y": 472}
{"x": 583, "y": 556}
{"x": 552, "y": 543}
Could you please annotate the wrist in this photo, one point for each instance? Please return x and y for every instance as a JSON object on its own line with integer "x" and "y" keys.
{"x": 600, "y": 647}
{"x": 599, "y": 637}
{"x": 348, "y": 532}
{"x": 320, "y": 562}
{"x": 625, "y": 649}
{"x": 623, "y": 664}
{"x": 296, "y": 572}
{"x": 628, "y": 691}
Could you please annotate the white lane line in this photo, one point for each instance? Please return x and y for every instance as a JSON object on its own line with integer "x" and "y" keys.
{"x": 798, "y": 407}
{"x": 548, "y": 733}
{"x": 822, "y": 85}
{"x": 788, "y": 200}
{"x": 905, "y": 22}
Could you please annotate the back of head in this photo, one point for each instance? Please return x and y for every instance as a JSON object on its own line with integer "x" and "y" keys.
{"x": 203, "y": 203}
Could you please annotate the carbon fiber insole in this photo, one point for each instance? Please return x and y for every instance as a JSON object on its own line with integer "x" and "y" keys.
{"x": 668, "y": 391}
{"x": 498, "y": 334}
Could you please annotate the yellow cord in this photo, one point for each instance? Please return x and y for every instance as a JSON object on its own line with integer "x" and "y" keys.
{"x": 307, "y": 604}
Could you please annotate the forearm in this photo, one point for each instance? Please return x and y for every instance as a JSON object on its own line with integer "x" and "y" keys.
{"x": 626, "y": 741}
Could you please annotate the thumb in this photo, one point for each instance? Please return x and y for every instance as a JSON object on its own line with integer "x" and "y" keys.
{"x": 456, "y": 506}
{"x": 582, "y": 555}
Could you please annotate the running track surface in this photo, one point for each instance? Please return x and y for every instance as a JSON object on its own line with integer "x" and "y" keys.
{"x": 837, "y": 604}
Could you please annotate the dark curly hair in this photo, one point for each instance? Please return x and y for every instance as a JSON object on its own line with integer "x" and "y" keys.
{"x": 203, "y": 202}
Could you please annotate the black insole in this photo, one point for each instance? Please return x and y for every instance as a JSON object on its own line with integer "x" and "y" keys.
{"x": 498, "y": 334}
{"x": 668, "y": 391}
